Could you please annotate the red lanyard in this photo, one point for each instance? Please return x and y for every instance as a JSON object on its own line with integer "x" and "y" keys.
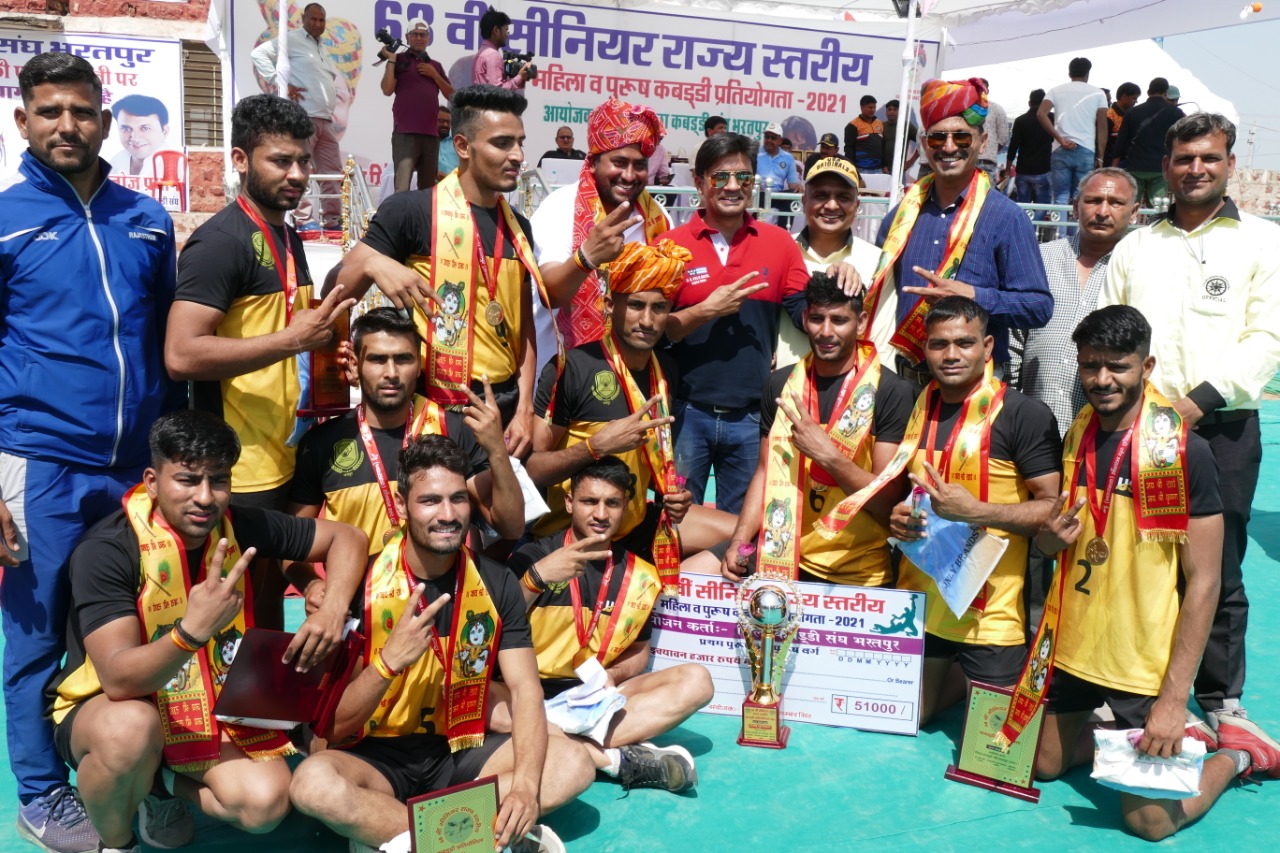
{"x": 375, "y": 459}
{"x": 1101, "y": 513}
{"x": 811, "y": 392}
{"x": 288, "y": 273}
{"x": 422, "y": 604}
{"x": 575, "y": 592}
{"x": 499, "y": 245}
{"x": 935, "y": 415}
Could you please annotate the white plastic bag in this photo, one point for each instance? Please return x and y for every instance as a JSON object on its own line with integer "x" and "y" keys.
{"x": 1118, "y": 764}
{"x": 586, "y": 709}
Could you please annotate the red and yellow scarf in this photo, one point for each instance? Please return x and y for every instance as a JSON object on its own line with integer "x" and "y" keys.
{"x": 909, "y": 336}
{"x": 192, "y": 736}
{"x": 1161, "y": 510}
{"x": 788, "y": 471}
{"x": 658, "y": 453}
{"x": 464, "y": 663}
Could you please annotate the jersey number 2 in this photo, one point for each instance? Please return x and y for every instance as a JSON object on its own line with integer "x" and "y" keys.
{"x": 1088, "y": 572}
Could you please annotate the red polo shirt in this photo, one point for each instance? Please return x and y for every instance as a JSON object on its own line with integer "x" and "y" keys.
{"x": 725, "y": 362}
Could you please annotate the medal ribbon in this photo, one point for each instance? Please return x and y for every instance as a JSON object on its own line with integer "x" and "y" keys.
{"x": 1102, "y": 512}
{"x": 375, "y": 459}
{"x": 288, "y": 273}
{"x": 499, "y": 245}
{"x": 575, "y": 592}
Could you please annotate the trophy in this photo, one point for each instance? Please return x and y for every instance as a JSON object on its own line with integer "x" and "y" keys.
{"x": 768, "y": 615}
{"x": 329, "y": 394}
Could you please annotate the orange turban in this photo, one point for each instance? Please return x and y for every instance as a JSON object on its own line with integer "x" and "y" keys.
{"x": 942, "y": 99}
{"x": 615, "y": 124}
{"x": 640, "y": 268}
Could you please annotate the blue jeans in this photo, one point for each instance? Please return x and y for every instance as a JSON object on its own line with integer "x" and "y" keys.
{"x": 1033, "y": 189}
{"x": 1068, "y": 169}
{"x": 729, "y": 441}
{"x": 52, "y": 506}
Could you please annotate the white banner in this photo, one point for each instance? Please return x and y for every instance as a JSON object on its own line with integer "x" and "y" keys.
{"x": 856, "y": 661}
{"x": 687, "y": 68}
{"x": 142, "y": 75}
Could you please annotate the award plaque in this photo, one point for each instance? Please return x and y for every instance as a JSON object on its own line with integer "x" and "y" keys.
{"x": 328, "y": 391}
{"x": 985, "y": 765}
{"x": 455, "y": 819}
{"x": 768, "y": 616}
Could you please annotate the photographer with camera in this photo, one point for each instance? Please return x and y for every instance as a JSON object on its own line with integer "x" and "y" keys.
{"x": 416, "y": 80}
{"x": 511, "y": 71}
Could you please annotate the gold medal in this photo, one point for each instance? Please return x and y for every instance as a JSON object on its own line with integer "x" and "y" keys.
{"x": 386, "y": 537}
{"x": 493, "y": 314}
{"x": 1096, "y": 551}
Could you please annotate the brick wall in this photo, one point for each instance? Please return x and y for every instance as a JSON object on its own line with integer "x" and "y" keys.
{"x": 192, "y": 10}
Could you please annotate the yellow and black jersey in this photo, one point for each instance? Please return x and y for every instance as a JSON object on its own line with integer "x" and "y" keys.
{"x": 1024, "y": 444}
{"x": 228, "y": 265}
{"x": 1119, "y": 617}
{"x": 588, "y": 397}
{"x": 334, "y": 470}
{"x": 555, "y": 633}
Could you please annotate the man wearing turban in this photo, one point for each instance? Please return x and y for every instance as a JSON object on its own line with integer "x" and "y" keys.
{"x": 614, "y": 399}
{"x": 952, "y": 236}
{"x": 580, "y": 229}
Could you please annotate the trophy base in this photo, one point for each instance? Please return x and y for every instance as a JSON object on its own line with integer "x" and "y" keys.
{"x": 955, "y": 774}
{"x": 762, "y": 726}
{"x": 324, "y": 411}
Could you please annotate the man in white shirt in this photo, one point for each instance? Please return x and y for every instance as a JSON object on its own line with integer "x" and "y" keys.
{"x": 1207, "y": 277}
{"x": 143, "y": 123}
{"x": 998, "y": 133}
{"x": 581, "y": 227}
{"x": 1080, "y": 132}
{"x": 312, "y": 76}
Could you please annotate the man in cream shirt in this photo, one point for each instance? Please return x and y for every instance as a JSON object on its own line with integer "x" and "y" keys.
{"x": 827, "y": 240}
{"x": 1207, "y": 277}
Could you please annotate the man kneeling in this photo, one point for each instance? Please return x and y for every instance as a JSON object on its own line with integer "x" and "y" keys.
{"x": 437, "y": 618}
{"x": 589, "y": 600}
{"x": 151, "y": 633}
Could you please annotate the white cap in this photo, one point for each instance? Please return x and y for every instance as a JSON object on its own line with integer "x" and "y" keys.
{"x": 417, "y": 24}
{"x": 773, "y": 127}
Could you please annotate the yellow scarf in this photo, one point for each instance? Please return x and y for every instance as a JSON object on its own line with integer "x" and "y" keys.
{"x": 658, "y": 453}
{"x": 910, "y": 335}
{"x": 463, "y": 666}
{"x": 788, "y": 471}
{"x": 1161, "y": 510}
{"x": 967, "y": 459}
{"x": 192, "y": 737}
{"x": 458, "y": 269}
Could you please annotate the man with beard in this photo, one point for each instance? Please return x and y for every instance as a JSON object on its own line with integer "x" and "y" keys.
{"x": 347, "y": 465}
{"x": 461, "y": 246}
{"x": 155, "y": 587}
{"x": 242, "y": 314}
{"x": 1043, "y": 359}
{"x": 725, "y": 320}
{"x": 439, "y": 620}
{"x": 986, "y": 455}
{"x": 86, "y": 274}
{"x": 1138, "y": 581}
{"x": 952, "y": 236}
{"x": 488, "y": 67}
{"x": 582, "y": 228}
{"x": 832, "y": 422}
{"x": 614, "y": 399}
{"x": 590, "y": 598}
{"x": 1207, "y": 278}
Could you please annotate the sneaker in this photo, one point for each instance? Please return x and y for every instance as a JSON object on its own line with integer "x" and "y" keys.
{"x": 647, "y": 766}
{"x": 1201, "y": 731}
{"x": 540, "y": 839}
{"x": 1235, "y": 731}
{"x": 57, "y": 822}
{"x": 137, "y": 848}
{"x": 164, "y": 822}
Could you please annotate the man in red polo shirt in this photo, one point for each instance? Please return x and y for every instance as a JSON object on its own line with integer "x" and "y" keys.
{"x": 724, "y": 321}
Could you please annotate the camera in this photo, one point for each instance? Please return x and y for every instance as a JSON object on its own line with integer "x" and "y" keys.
{"x": 394, "y": 45}
{"x": 512, "y": 62}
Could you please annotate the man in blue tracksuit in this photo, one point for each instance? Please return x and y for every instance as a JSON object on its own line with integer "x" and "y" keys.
{"x": 86, "y": 279}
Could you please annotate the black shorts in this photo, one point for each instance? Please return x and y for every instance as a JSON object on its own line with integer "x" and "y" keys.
{"x": 1069, "y": 694}
{"x": 62, "y": 736}
{"x": 419, "y": 764}
{"x": 998, "y": 665}
{"x": 640, "y": 540}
